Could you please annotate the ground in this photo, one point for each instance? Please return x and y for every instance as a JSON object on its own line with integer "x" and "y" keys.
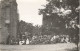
{"x": 48, "y": 47}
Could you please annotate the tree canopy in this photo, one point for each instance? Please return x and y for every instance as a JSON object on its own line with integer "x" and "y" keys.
{"x": 61, "y": 14}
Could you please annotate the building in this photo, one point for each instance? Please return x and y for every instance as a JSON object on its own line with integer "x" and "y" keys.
{"x": 8, "y": 19}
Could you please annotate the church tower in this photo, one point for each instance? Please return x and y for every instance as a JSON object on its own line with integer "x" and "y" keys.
{"x": 8, "y": 19}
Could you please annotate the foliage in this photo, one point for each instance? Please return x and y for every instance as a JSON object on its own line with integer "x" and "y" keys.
{"x": 60, "y": 17}
{"x": 24, "y": 27}
{"x": 37, "y": 30}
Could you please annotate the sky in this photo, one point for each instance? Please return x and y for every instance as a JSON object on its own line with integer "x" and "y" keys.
{"x": 28, "y": 10}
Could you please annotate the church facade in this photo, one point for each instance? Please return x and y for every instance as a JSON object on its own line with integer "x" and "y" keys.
{"x": 8, "y": 19}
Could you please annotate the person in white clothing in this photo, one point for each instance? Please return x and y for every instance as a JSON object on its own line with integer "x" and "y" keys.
{"x": 27, "y": 41}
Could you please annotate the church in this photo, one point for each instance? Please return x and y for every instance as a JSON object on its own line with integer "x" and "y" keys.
{"x": 9, "y": 19}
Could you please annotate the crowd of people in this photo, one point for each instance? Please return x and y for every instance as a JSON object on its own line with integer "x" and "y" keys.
{"x": 42, "y": 39}
{"x": 49, "y": 39}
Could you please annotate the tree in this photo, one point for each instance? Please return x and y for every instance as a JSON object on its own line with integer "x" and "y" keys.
{"x": 25, "y": 27}
{"x": 37, "y": 30}
{"x": 62, "y": 15}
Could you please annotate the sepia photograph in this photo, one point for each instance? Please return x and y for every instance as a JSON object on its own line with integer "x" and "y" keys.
{"x": 39, "y": 25}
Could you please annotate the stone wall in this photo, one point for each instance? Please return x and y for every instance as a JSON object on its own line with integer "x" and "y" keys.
{"x": 8, "y": 19}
